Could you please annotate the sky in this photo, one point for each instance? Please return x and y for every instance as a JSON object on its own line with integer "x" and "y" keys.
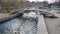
{"x": 49, "y": 1}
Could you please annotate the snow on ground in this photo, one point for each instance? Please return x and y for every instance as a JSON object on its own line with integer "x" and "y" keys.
{"x": 30, "y": 15}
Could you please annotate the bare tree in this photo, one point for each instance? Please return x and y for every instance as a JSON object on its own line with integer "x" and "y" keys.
{"x": 8, "y": 4}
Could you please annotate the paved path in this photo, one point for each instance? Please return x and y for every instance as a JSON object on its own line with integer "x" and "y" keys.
{"x": 41, "y": 26}
{"x": 53, "y": 25}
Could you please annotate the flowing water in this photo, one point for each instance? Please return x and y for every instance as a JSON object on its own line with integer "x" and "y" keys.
{"x": 19, "y": 26}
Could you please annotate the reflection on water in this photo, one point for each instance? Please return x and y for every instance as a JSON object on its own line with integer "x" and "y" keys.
{"x": 18, "y": 26}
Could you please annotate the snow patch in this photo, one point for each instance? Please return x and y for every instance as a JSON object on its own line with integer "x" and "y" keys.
{"x": 30, "y": 15}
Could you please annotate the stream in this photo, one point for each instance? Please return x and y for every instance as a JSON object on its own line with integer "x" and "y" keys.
{"x": 19, "y": 26}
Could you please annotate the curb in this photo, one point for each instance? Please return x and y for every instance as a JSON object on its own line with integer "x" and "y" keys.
{"x": 41, "y": 26}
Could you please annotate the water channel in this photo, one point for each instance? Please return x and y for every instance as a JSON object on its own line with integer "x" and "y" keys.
{"x": 19, "y": 26}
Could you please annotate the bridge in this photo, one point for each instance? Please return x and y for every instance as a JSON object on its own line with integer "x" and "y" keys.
{"x": 41, "y": 11}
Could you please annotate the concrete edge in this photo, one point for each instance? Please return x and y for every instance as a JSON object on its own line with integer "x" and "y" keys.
{"x": 41, "y": 26}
